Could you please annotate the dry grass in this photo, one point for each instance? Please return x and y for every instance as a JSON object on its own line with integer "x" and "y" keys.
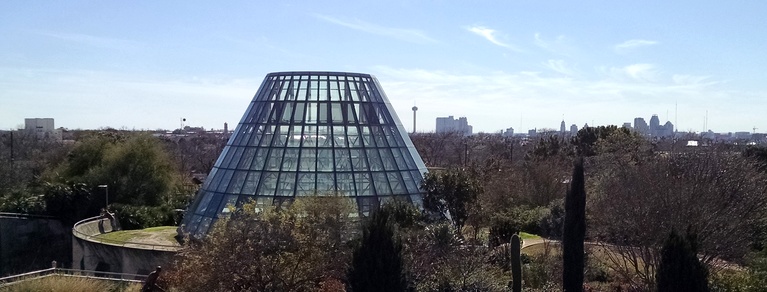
{"x": 56, "y": 283}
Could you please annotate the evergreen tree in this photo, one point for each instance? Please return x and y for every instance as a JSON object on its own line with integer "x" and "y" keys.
{"x": 377, "y": 263}
{"x": 679, "y": 268}
{"x": 574, "y": 232}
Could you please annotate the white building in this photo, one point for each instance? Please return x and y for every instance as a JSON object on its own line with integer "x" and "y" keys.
{"x": 42, "y": 127}
{"x": 450, "y": 124}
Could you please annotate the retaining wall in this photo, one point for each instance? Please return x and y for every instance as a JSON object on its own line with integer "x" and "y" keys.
{"x": 90, "y": 254}
{"x": 29, "y": 243}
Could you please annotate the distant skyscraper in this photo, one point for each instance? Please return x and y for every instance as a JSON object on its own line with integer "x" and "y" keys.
{"x": 42, "y": 127}
{"x": 509, "y": 132}
{"x": 573, "y": 130}
{"x": 641, "y": 126}
{"x": 654, "y": 125}
{"x": 627, "y": 125}
{"x": 562, "y": 127}
{"x": 449, "y": 124}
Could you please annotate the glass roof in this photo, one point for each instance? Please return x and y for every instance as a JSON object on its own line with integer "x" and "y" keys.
{"x": 309, "y": 133}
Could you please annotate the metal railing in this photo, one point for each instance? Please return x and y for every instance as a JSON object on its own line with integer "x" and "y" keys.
{"x": 98, "y": 275}
{"x": 129, "y": 244}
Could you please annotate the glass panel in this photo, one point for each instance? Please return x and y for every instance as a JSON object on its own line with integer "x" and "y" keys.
{"x": 353, "y": 137}
{"x": 308, "y": 161}
{"x": 258, "y": 161}
{"x": 251, "y": 183}
{"x": 306, "y": 186}
{"x": 236, "y": 157}
{"x": 343, "y": 162}
{"x": 323, "y": 113}
{"x": 215, "y": 202}
{"x": 410, "y": 184}
{"x": 381, "y": 183}
{"x": 325, "y": 183}
{"x": 364, "y": 185}
{"x": 247, "y": 158}
{"x": 387, "y": 159}
{"x": 324, "y": 137}
{"x": 290, "y": 162}
{"x": 345, "y": 184}
{"x": 325, "y": 160}
{"x": 374, "y": 160}
{"x": 268, "y": 185}
{"x": 336, "y": 113}
{"x": 204, "y": 203}
{"x": 286, "y": 185}
{"x": 226, "y": 177}
{"x": 396, "y": 183}
{"x": 275, "y": 160}
{"x": 358, "y": 160}
{"x": 237, "y": 181}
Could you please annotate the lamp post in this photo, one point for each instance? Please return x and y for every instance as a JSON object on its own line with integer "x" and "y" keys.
{"x": 106, "y": 191}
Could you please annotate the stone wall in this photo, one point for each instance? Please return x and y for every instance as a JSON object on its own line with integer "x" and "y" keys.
{"x": 29, "y": 243}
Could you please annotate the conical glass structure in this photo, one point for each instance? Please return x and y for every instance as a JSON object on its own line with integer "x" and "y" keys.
{"x": 312, "y": 133}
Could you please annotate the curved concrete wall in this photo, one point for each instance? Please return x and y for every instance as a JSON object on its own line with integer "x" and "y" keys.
{"x": 89, "y": 254}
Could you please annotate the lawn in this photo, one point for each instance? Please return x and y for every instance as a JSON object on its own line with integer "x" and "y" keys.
{"x": 163, "y": 235}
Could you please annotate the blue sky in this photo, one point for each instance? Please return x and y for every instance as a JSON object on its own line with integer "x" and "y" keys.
{"x": 520, "y": 64}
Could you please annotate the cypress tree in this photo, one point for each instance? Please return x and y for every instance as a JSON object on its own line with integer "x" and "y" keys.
{"x": 679, "y": 268}
{"x": 377, "y": 262}
{"x": 574, "y": 232}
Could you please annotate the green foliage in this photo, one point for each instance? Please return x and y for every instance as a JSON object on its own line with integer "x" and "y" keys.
{"x": 451, "y": 192}
{"x": 377, "y": 263}
{"x": 504, "y": 224}
{"x": 552, "y": 222}
{"x": 679, "y": 268}
{"x": 574, "y": 231}
{"x": 140, "y": 217}
{"x": 586, "y": 140}
{"x": 22, "y": 201}
{"x": 136, "y": 168}
{"x": 70, "y": 202}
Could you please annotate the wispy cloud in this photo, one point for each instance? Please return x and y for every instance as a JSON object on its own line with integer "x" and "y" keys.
{"x": 558, "y": 45}
{"x": 560, "y": 66}
{"x": 490, "y": 35}
{"x": 633, "y": 44}
{"x": 404, "y": 34}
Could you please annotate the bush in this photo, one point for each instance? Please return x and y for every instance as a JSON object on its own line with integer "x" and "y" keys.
{"x": 140, "y": 217}
{"x": 503, "y": 225}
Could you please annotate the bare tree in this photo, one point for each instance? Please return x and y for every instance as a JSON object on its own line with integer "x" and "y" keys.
{"x": 717, "y": 194}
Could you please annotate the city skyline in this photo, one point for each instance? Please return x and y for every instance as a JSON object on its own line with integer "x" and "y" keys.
{"x": 520, "y": 65}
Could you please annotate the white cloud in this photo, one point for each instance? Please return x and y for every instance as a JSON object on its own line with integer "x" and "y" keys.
{"x": 633, "y": 44}
{"x": 560, "y": 66}
{"x": 490, "y": 35}
{"x": 409, "y": 35}
{"x": 559, "y": 45}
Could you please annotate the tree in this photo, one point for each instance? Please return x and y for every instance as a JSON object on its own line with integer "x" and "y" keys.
{"x": 136, "y": 168}
{"x": 294, "y": 248}
{"x": 452, "y": 192}
{"x": 377, "y": 263}
{"x": 716, "y": 193}
{"x": 680, "y": 269}
{"x": 574, "y": 231}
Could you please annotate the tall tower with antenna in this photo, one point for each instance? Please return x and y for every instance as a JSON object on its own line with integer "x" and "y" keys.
{"x": 415, "y": 108}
